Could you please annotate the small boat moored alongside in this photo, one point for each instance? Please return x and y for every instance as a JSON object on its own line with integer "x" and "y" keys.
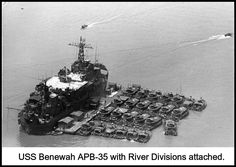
{"x": 199, "y": 105}
{"x": 177, "y": 100}
{"x": 188, "y": 104}
{"x": 131, "y": 103}
{"x": 131, "y": 90}
{"x": 120, "y": 100}
{"x": 143, "y": 136}
{"x": 155, "y": 107}
{"x": 179, "y": 113}
{"x": 170, "y": 128}
{"x": 154, "y": 95}
{"x": 140, "y": 119}
{"x": 98, "y": 131}
{"x": 109, "y": 131}
{"x": 143, "y": 104}
{"x": 116, "y": 115}
{"x": 165, "y": 111}
{"x": 152, "y": 122}
{"x": 141, "y": 94}
{"x": 85, "y": 129}
{"x": 132, "y": 135}
{"x": 120, "y": 134}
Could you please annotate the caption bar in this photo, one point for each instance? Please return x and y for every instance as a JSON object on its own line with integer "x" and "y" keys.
{"x": 129, "y": 156}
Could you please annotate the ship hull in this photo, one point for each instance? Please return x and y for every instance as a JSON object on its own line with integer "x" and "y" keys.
{"x": 43, "y": 129}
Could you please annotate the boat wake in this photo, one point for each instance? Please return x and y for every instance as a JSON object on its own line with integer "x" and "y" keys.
{"x": 103, "y": 21}
{"x": 214, "y": 37}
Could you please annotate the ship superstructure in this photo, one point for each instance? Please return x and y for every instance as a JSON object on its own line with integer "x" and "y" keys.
{"x": 69, "y": 90}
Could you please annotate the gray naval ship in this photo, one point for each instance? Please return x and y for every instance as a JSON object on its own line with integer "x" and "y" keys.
{"x": 81, "y": 101}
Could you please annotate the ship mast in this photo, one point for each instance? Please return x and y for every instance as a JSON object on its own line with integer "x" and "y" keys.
{"x": 81, "y": 49}
{"x": 81, "y": 45}
{"x": 96, "y": 52}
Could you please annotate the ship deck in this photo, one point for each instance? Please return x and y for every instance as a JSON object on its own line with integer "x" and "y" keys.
{"x": 75, "y": 83}
{"x": 77, "y": 124}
